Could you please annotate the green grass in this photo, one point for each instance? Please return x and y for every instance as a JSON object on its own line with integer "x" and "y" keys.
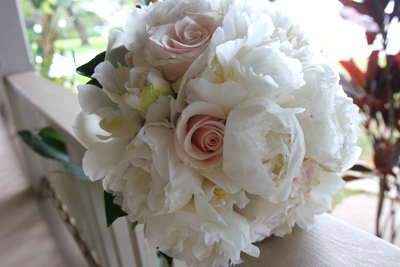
{"x": 97, "y": 43}
{"x": 344, "y": 193}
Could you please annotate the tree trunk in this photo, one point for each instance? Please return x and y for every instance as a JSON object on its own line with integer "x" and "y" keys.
{"x": 78, "y": 25}
{"x": 46, "y": 42}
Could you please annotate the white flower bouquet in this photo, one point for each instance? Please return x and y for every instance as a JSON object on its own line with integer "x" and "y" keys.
{"x": 217, "y": 125}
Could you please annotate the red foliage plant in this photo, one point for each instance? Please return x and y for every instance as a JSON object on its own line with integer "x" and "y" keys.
{"x": 377, "y": 93}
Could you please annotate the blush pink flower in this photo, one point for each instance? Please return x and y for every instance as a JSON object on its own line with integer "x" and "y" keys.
{"x": 200, "y": 135}
{"x": 304, "y": 181}
{"x": 175, "y": 45}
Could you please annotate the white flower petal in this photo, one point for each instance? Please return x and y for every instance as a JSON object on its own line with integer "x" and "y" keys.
{"x": 87, "y": 128}
{"x": 104, "y": 73}
{"x": 202, "y": 90}
{"x": 159, "y": 111}
{"x": 225, "y": 182}
{"x": 135, "y": 29}
{"x": 304, "y": 215}
{"x": 92, "y": 97}
{"x": 96, "y": 165}
{"x": 116, "y": 50}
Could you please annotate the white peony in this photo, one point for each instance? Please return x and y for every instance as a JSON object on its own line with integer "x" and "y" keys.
{"x": 263, "y": 148}
{"x": 205, "y": 232}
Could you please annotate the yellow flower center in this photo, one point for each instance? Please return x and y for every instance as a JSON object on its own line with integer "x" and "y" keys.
{"x": 221, "y": 193}
{"x": 109, "y": 125}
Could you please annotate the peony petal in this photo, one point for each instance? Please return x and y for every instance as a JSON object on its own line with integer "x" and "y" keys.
{"x": 329, "y": 184}
{"x": 321, "y": 203}
{"x": 260, "y": 208}
{"x": 206, "y": 211}
{"x": 200, "y": 89}
{"x": 304, "y": 216}
{"x": 223, "y": 181}
{"x": 183, "y": 178}
{"x": 96, "y": 165}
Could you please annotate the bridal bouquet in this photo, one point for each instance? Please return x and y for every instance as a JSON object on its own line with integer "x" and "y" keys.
{"x": 217, "y": 125}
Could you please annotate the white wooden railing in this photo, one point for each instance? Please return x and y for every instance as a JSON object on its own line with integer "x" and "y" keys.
{"x": 42, "y": 103}
{"x": 34, "y": 102}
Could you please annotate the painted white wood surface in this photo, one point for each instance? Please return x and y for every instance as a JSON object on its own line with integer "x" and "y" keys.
{"x": 331, "y": 243}
{"x": 15, "y": 54}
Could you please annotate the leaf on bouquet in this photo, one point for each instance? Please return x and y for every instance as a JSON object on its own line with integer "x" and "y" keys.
{"x": 166, "y": 257}
{"x": 113, "y": 211}
{"x": 46, "y": 147}
{"x": 134, "y": 224}
{"x": 88, "y": 68}
{"x": 95, "y": 82}
{"x": 78, "y": 171}
{"x": 52, "y": 138}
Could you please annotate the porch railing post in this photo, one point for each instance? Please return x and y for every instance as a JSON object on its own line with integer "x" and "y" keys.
{"x": 15, "y": 57}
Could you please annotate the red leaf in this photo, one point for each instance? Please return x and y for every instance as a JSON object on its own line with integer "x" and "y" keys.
{"x": 397, "y": 58}
{"x": 354, "y": 72}
{"x": 371, "y": 37}
{"x": 372, "y": 71}
{"x": 373, "y": 8}
{"x": 386, "y": 155}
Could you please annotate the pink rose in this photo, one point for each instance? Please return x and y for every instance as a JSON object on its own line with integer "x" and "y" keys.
{"x": 175, "y": 45}
{"x": 199, "y": 137}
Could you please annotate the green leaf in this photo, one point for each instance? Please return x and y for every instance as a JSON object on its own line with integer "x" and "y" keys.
{"x": 167, "y": 258}
{"x": 134, "y": 224}
{"x": 113, "y": 211}
{"x": 78, "y": 171}
{"x": 53, "y": 139}
{"x": 95, "y": 83}
{"x": 117, "y": 56}
{"x": 88, "y": 68}
{"x": 40, "y": 147}
{"x": 50, "y": 133}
